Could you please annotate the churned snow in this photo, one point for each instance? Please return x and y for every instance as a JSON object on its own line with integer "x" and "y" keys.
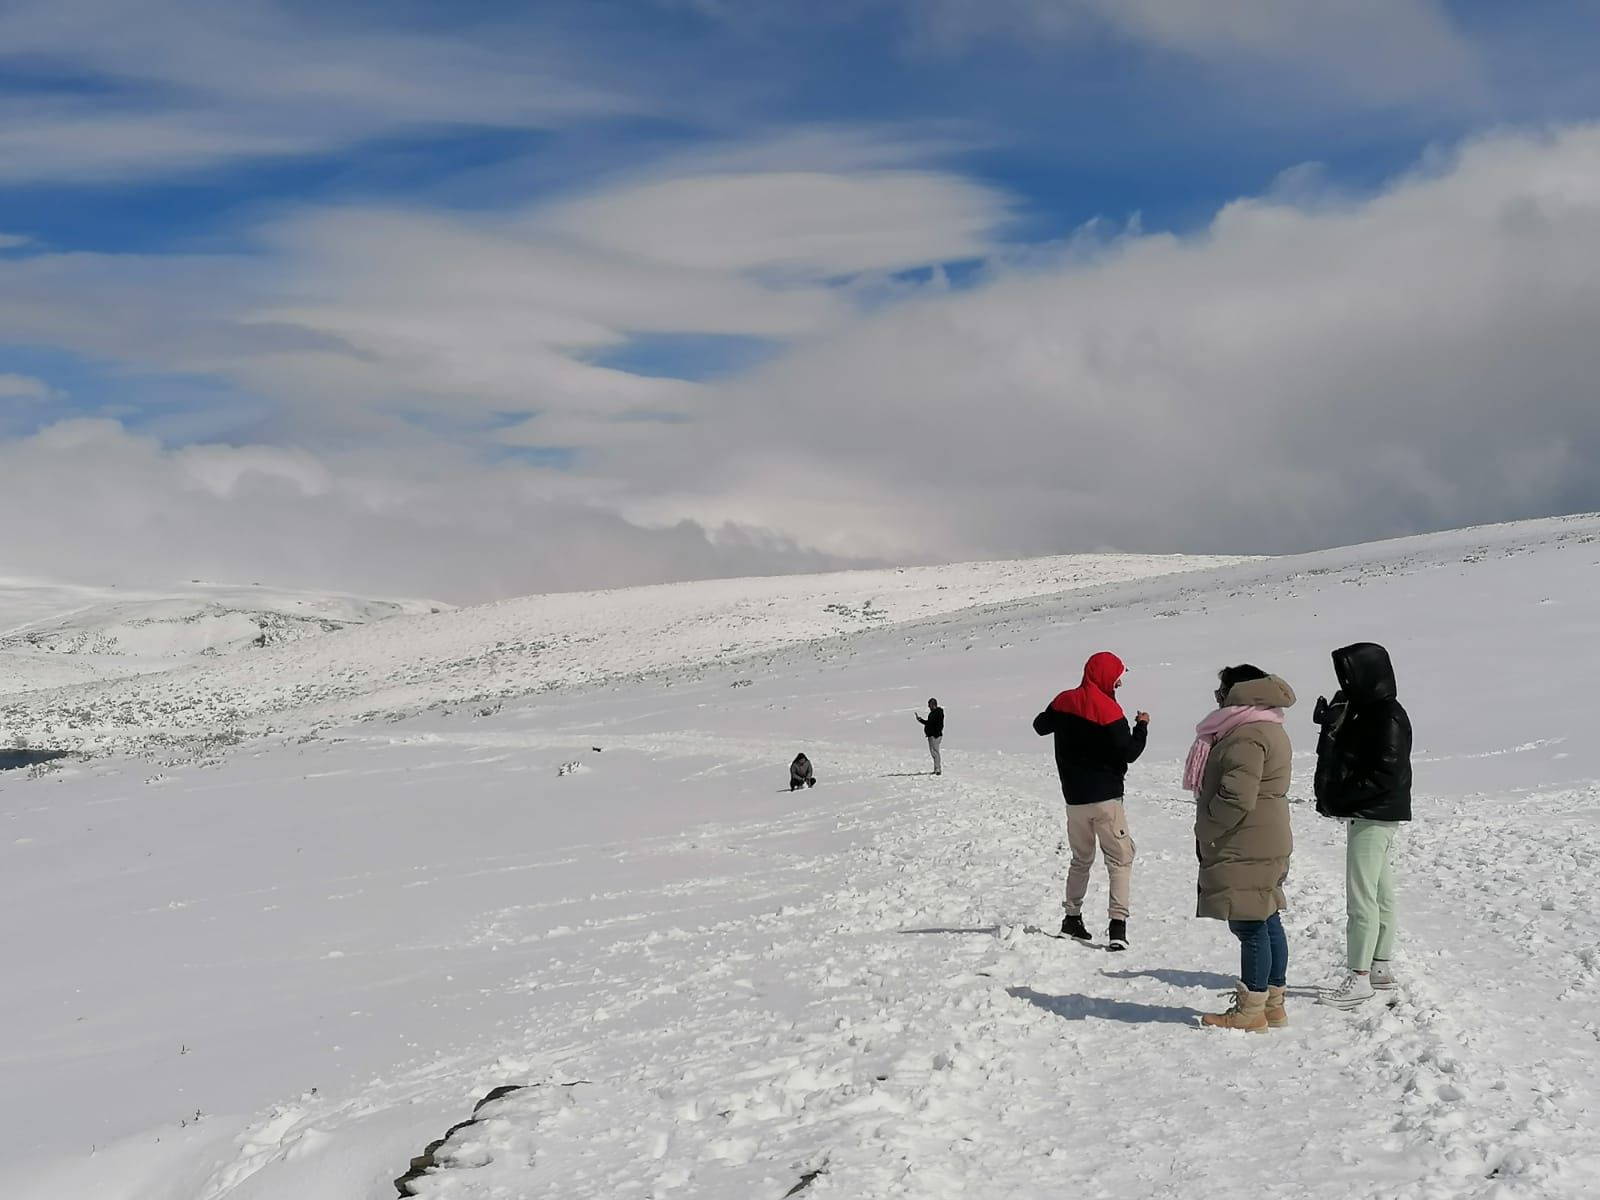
{"x": 285, "y": 968}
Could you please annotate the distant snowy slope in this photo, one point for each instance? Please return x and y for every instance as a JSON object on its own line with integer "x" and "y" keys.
{"x": 531, "y": 644}
{"x": 56, "y": 634}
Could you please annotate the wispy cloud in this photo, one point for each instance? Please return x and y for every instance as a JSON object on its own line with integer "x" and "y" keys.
{"x": 24, "y": 388}
{"x": 1366, "y": 53}
{"x": 393, "y": 311}
{"x": 195, "y": 85}
{"x": 806, "y": 224}
{"x": 1374, "y": 51}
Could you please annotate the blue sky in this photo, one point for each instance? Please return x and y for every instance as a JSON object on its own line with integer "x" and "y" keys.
{"x": 1102, "y": 124}
{"x": 491, "y": 237}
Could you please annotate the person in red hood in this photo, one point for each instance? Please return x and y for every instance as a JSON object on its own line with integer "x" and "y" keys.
{"x": 1094, "y": 745}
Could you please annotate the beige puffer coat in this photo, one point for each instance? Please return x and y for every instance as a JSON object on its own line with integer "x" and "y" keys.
{"x": 1241, "y": 825}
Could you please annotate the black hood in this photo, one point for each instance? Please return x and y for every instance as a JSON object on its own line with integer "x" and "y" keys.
{"x": 1364, "y": 671}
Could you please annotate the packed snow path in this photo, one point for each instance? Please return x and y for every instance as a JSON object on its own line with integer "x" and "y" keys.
{"x": 710, "y": 987}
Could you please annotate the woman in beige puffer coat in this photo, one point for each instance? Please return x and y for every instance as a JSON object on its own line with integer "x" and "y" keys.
{"x": 1239, "y": 771}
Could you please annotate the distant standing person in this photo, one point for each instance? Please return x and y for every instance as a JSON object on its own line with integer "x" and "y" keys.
{"x": 1094, "y": 746}
{"x": 1238, "y": 770}
{"x": 1364, "y": 779}
{"x": 933, "y": 726}
{"x": 800, "y": 773}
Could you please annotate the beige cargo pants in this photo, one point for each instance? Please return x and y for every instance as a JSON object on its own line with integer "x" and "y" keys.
{"x": 1104, "y": 824}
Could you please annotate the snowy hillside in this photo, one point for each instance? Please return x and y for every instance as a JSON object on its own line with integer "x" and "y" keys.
{"x": 285, "y": 971}
{"x": 55, "y": 635}
{"x": 479, "y": 655}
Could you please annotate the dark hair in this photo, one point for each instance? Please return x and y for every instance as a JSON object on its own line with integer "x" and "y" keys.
{"x": 1243, "y": 673}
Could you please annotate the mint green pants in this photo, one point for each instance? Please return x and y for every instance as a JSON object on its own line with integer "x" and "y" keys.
{"x": 1368, "y": 893}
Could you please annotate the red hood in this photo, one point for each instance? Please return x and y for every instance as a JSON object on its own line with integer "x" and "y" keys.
{"x": 1095, "y": 699}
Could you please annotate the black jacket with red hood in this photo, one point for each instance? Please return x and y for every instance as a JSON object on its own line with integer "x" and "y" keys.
{"x": 1364, "y": 753}
{"x": 1094, "y": 744}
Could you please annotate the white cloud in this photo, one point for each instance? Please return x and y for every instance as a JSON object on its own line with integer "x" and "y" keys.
{"x": 1362, "y": 53}
{"x": 439, "y": 342}
{"x": 196, "y": 84}
{"x": 355, "y": 315}
{"x": 1373, "y": 51}
{"x": 1295, "y": 376}
{"x": 430, "y": 313}
{"x": 809, "y": 223}
{"x": 23, "y": 387}
{"x": 74, "y": 143}
{"x": 188, "y": 85}
{"x": 1313, "y": 368}
{"x": 105, "y": 506}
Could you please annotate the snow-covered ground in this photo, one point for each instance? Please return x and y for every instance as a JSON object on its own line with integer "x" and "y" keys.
{"x": 284, "y": 971}
{"x": 483, "y": 654}
{"x": 55, "y": 635}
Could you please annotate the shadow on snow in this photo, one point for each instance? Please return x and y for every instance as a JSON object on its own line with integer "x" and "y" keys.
{"x": 10, "y": 760}
{"x": 991, "y": 930}
{"x": 1081, "y": 1008}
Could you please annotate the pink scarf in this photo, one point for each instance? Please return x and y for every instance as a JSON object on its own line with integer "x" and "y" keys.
{"x": 1216, "y": 727}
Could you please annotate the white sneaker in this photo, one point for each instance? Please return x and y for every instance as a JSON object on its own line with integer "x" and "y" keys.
{"x": 1354, "y": 989}
{"x": 1381, "y": 977}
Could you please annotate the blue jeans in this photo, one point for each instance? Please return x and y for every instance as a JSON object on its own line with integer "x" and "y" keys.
{"x": 1263, "y": 953}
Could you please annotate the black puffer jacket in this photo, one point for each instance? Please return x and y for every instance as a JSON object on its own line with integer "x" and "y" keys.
{"x": 1364, "y": 753}
{"x": 1092, "y": 760}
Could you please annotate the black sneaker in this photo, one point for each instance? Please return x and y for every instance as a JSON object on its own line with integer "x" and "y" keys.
{"x": 1117, "y": 936}
{"x": 1073, "y": 927}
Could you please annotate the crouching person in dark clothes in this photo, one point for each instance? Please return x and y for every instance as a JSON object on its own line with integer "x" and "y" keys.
{"x": 800, "y": 773}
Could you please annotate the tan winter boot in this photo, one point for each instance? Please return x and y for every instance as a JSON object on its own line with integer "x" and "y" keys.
{"x": 1247, "y": 1012}
{"x": 1277, "y": 1018}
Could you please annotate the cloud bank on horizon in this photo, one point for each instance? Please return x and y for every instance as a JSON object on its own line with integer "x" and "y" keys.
{"x": 659, "y": 289}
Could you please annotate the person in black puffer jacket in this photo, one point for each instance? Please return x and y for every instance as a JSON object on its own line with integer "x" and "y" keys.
{"x": 933, "y": 727}
{"x": 1094, "y": 745}
{"x": 1364, "y": 778}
